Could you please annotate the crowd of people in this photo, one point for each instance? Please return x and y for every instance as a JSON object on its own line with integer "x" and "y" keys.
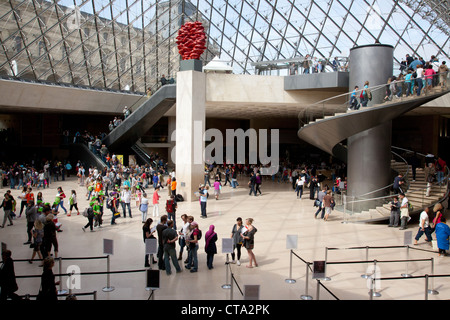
{"x": 315, "y": 65}
{"x": 116, "y": 187}
{"x": 416, "y": 76}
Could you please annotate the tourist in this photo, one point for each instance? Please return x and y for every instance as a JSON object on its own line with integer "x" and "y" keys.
{"x": 404, "y": 211}
{"x": 31, "y": 215}
{"x": 424, "y": 226}
{"x": 441, "y": 167}
{"x": 171, "y": 209}
{"x": 125, "y": 198}
{"x": 443, "y": 74}
{"x": 73, "y": 203}
{"x": 162, "y": 225}
{"x": 319, "y": 203}
{"x": 364, "y": 97}
{"x": 90, "y": 216}
{"x": 59, "y": 200}
{"x": 148, "y": 234}
{"x": 155, "y": 202}
{"x": 38, "y": 235}
{"x": 217, "y": 186}
{"x": 252, "y": 184}
{"x": 419, "y": 79}
{"x": 114, "y": 207}
{"x": 192, "y": 241}
{"x": 430, "y": 177}
{"x": 354, "y": 105}
{"x": 442, "y": 236}
{"x": 143, "y": 207}
{"x": 437, "y": 215}
{"x": 394, "y": 219}
{"x": 299, "y": 184}
{"x": 258, "y": 182}
{"x": 7, "y": 205}
{"x": 248, "y": 238}
{"x": 8, "y": 284}
{"x": 237, "y": 240}
{"x": 50, "y": 238}
{"x": 210, "y": 246}
{"x": 327, "y": 203}
{"x": 48, "y": 290}
{"x": 170, "y": 238}
{"x": 203, "y": 194}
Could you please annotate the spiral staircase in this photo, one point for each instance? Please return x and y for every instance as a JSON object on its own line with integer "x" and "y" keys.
{"x": 328, "y": 127}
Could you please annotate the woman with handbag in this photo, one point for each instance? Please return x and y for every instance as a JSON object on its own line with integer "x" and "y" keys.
{"x": 249, "y": 241}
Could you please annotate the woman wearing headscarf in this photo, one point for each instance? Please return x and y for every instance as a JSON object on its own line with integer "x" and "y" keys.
{"x": 210, "y": 246}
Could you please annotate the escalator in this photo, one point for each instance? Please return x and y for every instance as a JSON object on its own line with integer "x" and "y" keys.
{"x": 142, "y": 119}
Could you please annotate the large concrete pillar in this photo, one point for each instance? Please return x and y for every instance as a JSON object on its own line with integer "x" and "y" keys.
{"x": 190, "y": 128}
{"x": 172, "y": 125}
{"x": 369, "y": 152}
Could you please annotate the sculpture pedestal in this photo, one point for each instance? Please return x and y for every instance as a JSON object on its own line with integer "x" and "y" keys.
{"x": 191, "y": 65}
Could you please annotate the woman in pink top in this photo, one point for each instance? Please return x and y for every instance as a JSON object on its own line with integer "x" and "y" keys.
{"x": 217, "y": 186}
{"x": 156, "y": 197}
{"x": 429, "y": 75}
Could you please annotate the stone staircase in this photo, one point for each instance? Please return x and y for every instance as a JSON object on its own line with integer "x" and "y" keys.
{"x": 416, "y": 194}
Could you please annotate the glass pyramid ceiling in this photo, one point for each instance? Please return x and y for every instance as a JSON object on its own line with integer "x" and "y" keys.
{"x": 130, "y": 44}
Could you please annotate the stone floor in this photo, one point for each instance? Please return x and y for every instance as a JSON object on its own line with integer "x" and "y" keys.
{"x": 276, "y": 213}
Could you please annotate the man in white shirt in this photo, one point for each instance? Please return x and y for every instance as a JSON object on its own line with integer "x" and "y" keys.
{"x": 125, "y": 198}
{"x": 424, "y": 227}
{"x": 404, "y": 211}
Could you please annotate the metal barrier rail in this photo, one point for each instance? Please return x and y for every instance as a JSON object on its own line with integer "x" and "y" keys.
{"x": 366, "y": 276}
{"x": 93, "y": 293}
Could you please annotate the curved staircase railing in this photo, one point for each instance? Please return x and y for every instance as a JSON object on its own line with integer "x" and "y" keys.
{"x": 327, "y": 123}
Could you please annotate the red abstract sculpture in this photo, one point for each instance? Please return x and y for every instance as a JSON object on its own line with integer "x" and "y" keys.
{"x": 191, "y": 40}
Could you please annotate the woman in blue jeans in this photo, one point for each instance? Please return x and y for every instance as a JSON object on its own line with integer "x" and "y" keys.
{"x": 192, "y": 241}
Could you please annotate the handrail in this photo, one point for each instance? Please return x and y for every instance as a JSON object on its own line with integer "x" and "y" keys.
{"x": 390, "y": 185}
{"x": 373, "y": 89}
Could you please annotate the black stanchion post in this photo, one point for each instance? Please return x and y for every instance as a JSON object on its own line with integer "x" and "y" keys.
{"x": 326, "y": 259}
{"x": 318, "y": 290}
{"x": 306, "y": 296}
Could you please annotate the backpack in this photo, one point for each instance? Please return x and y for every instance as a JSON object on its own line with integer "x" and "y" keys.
{"x": 410, "y": 207}
{"x": 169, "y": 206}
{"x": 369, "y": 94}
{"x": 179, "y": 198}
{"x": 199, "y": 236}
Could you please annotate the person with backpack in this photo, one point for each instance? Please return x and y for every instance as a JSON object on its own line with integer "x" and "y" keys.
{"x": 171, "y": 207}
{"x": 90, "y": 215}
{"x": 113, "y": 205}
{"x": 73, "y": 203}
{"x": 364, "y": 96}
{"x": 194, "y": 236}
